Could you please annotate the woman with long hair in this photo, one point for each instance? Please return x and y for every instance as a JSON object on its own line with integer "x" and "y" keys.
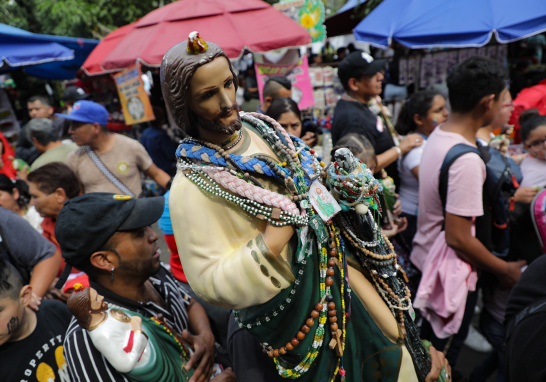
{"x": 420, "y": 115}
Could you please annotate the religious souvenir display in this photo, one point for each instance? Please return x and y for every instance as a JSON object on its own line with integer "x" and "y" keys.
{"x": 329, "y": 302}
{"x": 143, "y": 349}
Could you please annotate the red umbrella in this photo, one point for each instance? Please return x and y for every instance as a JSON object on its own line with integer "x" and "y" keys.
{"x": 92, "y": 65}
{"x": 234, "y": 25}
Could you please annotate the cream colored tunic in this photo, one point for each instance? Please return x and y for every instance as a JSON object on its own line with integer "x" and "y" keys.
{"x": 228, "y": 264}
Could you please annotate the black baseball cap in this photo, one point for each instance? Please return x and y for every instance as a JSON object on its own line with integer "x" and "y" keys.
{"x": 74, "y": 93}
{"x": 358, "y": 64}
{"x": 86, "y": 222}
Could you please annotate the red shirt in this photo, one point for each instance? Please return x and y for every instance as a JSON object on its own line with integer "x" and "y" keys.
{"x": 48, "y": 226}
{"x": 176, "y": 266}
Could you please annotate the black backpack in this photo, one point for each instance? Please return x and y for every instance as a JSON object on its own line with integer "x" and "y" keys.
{"x": 503, "y": 176}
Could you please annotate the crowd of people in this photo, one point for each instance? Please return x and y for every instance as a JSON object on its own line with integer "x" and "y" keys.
{"x": 70, "y": 211}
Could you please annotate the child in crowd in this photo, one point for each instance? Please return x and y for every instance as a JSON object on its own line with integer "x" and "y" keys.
{"x": 451, "y": 227}
{"x": 362, "y": 149}
{"x": 420, "y": 114}
{"x": 14, "y": 196}
{"x": 31, "y": 343}
{"x": 533, "y": 136}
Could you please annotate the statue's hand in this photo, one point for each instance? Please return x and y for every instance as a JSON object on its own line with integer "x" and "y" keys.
{"x": 136, "y": 323}
{"x": 276, "y": 238}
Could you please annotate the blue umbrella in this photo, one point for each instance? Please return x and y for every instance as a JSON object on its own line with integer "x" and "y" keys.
{"x": 18, "y": 48}
{"x": 451, "y": 23}
{"x": 51, "y": 57}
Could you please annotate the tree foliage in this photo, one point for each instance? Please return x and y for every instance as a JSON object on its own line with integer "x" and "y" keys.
{"x": 74, "y": 18}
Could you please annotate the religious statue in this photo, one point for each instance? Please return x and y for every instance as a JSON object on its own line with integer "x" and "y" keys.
{"x": 263, "y": 227}
{"x": 142, "y": 349}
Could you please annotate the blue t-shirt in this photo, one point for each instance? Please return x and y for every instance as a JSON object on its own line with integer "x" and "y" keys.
{"x": 164, "y": 221}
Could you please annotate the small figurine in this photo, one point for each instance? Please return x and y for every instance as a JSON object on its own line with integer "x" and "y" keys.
{"x": 143, "y": 349}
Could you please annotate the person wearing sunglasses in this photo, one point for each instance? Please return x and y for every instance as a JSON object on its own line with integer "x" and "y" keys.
{"x": 533, "y": 136}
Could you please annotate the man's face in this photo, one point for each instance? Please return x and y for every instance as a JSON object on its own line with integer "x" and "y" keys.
{"x": 496, "y": 106}
{"x": 11, "y": 318}
{"x": 370, "y": 85}
{"x": 507, "y": 108}
{"x": 97, "y": 301}
{"x": 37, "y": 109}
{"x": 138, "y": 252}
{"x": 81, "y": 133}
{"x": 212, "y": 97}
{"x": 47, "y": 205}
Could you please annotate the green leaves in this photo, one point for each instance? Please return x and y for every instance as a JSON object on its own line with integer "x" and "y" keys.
{"x": 75, "y": 18}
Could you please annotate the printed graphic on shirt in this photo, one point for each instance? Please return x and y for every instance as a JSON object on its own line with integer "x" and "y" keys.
{"x": 48, "y": 372}
{"x": 123, "y": 167}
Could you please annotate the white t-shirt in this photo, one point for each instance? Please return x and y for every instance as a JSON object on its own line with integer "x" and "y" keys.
{"x": 533, "y": 171}
{"x": 409, "y": 184}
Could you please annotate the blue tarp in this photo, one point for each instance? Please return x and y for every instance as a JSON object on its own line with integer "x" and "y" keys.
{"x": 44, "y": 56}
{"x": 350, "y": 5}
{"x": 451, "y": 23}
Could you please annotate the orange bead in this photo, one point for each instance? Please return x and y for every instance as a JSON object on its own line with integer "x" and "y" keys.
{"x": 333, "y": 319}
{"x": 331, "y": 263}
{"x": 276, "y": 352}
{"x": 333, "y": 252}
{"x": 333, "y": 327}
{"x": 329, "y": 281}
{"x": 332, "y": 313}
{"x": 282, "y": 350}
{"x": 300, "y": 335}
{"x": 319, "y": 307}
{"x": 270, "y": 353}
{"x": 315, "y": 314}
{"x": 289, "y": 346}
{"x": 330, "y": 272}
{"x": 295, "y": 341}
{"x": 305, "y": 329}
{"x": 331, "y": 306}
{"x": 310, "y": 322}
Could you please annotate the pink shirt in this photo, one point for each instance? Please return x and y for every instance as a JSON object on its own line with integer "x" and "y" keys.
{"x": 464, "y": 195}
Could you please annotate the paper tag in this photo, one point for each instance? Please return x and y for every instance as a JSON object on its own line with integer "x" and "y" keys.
{"x": 322, "y": 201}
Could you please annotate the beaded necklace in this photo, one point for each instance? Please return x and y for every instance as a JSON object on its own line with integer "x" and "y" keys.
{"x": 231, "y": 139}
{"x": 234, "y": 143}
{"x": 184, "y": 353}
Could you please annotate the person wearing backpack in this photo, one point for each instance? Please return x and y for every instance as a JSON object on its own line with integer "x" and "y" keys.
{"x": 500, "y": 230}
{"x": 476, "y": 89}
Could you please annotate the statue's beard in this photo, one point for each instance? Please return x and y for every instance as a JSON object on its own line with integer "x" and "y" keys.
{"x": 103, "y": 308}
{"x": 217, "y": 126}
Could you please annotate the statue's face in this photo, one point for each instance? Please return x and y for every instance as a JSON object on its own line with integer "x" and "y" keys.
{"x": 97, "y": 303}
{"x": 212, "y": 97}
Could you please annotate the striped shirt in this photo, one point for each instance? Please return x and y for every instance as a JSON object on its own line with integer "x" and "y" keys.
{"x": 86, "y": 364}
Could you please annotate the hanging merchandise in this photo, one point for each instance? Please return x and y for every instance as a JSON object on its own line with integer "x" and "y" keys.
{"x": 297, "y": 73}
{"x": 132, "y": 95}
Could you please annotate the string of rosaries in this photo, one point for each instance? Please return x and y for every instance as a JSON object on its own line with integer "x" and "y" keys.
{"x": 357, "y": 192}
{"x": 298, "y": 169}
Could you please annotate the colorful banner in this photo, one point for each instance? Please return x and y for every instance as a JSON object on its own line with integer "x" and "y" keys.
{"x": 308, "y": 13}
{"x": 297, "y": 73}
{"x": 134, "y": 100}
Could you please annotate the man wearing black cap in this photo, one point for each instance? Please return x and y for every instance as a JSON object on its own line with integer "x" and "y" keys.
{"x": 109, "y": 237}
{"x": 361, "y": 78}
